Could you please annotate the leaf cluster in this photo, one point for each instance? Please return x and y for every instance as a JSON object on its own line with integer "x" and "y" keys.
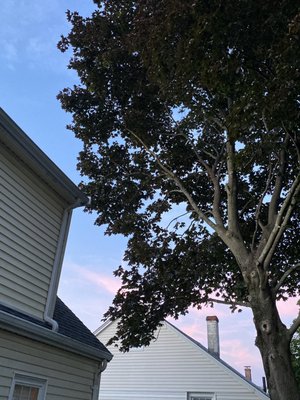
{"x": 165, "y": 85}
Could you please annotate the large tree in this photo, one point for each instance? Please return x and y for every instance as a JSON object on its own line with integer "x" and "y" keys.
{"x": 189, "y": 116}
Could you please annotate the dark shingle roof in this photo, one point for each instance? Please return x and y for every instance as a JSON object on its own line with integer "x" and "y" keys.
{"x": 68, "y": 324}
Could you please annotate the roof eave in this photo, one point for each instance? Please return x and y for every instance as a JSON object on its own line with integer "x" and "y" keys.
{"x": 17, "y": 140}
{"x": 30, "y": 330}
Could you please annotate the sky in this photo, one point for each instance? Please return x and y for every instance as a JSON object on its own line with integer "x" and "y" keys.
{"x": 32, "y": 72}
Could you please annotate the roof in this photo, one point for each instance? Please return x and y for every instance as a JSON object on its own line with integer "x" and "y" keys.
{"x": 200, "y": 346}
{"x": 216, "y": 358}
{"x": 27, "y": 151}
{"x": 69, "y": 325}
{"x": 71, "y": 331}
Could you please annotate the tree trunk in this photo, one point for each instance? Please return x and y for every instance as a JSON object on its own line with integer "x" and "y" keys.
{"x": 273, "y": 341}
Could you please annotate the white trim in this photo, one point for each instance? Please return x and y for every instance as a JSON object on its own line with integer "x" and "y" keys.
{"x": 31, "y": 381}
{"x": 33, "y": 331}
{"x": 103, "y": 326}
{"x": 201, "y": 395}
{"x": 17, "y": 140}
{"x": 57, "y": 266}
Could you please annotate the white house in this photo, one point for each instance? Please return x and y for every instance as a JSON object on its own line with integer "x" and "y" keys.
{"x": 46, "y": 353}
{"x": 174, "y": 366}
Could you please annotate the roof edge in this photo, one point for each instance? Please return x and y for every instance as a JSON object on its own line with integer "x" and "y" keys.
{"x": 103, "y": 326}
{"x": 30, "y": 330}
{"x": 217, "y": 359}
{"x": 19, "y": 142}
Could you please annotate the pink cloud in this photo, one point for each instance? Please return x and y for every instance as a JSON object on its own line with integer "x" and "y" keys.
{"x": 78, "y": 275}
{"x": 107, "y": 282}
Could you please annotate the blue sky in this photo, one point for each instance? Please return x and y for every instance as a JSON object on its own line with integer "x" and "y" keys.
{"x": 32, "y": 71}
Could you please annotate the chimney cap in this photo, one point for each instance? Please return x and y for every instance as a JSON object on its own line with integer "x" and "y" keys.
{"x": 212, "y": 318}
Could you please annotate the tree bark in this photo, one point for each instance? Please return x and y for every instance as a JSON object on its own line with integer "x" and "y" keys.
{"x": 273, "y": 341}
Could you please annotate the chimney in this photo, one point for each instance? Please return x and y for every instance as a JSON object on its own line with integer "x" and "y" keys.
{"x": 213, "y": 335}
{"x": 248, "y": 373}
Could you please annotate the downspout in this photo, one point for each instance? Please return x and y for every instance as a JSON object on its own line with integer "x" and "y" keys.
{"x": 57, "y": 264}
{"x": 97, "y": 377}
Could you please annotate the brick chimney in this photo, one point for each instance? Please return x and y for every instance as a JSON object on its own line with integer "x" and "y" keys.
{"x": 248, "y": 375}
{"x": 213, "y": 344}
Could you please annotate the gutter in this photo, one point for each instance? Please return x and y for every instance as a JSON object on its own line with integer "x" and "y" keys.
{"x": 57, "y": 265}
{"x": 35, "y": 332}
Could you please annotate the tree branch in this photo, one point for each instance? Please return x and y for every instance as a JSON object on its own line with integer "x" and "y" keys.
{"x": 295, "y": 325}
{"x": 278, "y": 183}
{"x": 214, "y": 179}
{"x": 293, "y": 139}
{"x": 229, "y": 303}
{"x": 231, "y": 189}
{"x": 280, "y": 223}
{"x": 170, "y": 174}
{"x": 260, "y": 202}
{"x": 285, "y": 276}
{"x": 176, "y": 218}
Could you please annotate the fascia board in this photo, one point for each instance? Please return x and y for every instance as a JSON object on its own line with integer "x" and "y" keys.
{"x": 103, "y": 327}
{"x": 32, "y": 331}
{"x": 17, "y": 140}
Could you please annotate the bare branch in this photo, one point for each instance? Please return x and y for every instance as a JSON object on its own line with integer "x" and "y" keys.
{"x": 282, "y": 228}
{"x": 285, "y": 276}
{"x": 260, "y": 203}
{"x": 278, "y": 183}
{"x": 230, "y": 303}
{"x": 211, "y": 174}
{"x": 231, "y": 189}
{"x": 295, "y": 142}
{"x": 170, "y": 174}
{"x": 295, "y": 325}
{"x": 176, "y": 218}
{"x": 280, "y": 223}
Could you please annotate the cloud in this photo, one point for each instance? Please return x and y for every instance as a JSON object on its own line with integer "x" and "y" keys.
{"x": 87, "y": 276}
{"x": 106, "y": 282}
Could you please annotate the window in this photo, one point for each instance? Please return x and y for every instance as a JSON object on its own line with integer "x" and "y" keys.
{"x": 201, "y": 396}
{"x": 28, "y": 388}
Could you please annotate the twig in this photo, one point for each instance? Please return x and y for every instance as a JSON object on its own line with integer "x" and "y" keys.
{"x": 230, "y": 303}
{"x": 284, "y": 276}
{"x": 176, "y": 180}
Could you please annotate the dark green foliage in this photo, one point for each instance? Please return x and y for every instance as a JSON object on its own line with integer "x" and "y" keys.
{"x": 189, "y": 116}
{"x": 295, "y": 350}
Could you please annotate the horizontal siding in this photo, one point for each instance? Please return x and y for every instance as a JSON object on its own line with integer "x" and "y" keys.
{"x": 70, "y": 377}
{"x": 30, "y": 220}
{"x": 170, "y": 367}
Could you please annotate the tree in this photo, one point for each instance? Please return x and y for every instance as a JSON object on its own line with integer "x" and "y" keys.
{"x": 191, "y": 109}
{"x": 295, "y": 349}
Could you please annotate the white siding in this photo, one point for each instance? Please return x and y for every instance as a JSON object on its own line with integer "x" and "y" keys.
{"x": 30, "y": 220}
{"x": 169, "y": 368}
{"x": 70, "y": 377}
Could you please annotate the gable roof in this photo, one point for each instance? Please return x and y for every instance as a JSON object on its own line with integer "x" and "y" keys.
{"x": 201, "y": 349}
{"x": 218, "y": 359}
{"x": 72, "y": 334}
{"x": 26, "y": 150}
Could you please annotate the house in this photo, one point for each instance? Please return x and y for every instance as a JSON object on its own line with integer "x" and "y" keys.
{"x": 46, "y": 353}
{"x": 174, "y": 366}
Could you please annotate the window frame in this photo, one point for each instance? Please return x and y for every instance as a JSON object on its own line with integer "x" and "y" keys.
{"x": 30, "y": 380}
{"x": 201, "y": 395}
